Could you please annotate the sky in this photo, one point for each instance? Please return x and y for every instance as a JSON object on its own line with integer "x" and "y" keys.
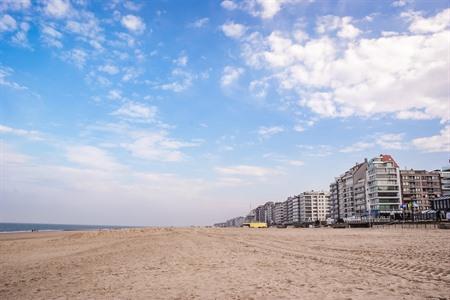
{"x": 185, "y": 113}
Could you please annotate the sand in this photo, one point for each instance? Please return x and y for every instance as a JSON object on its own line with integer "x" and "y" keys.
{"x": 240, "y": 263}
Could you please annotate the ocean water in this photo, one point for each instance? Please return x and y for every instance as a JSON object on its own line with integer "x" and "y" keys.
{"x": 26, "y": 227}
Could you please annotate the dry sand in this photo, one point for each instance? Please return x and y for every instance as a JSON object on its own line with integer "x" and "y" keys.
{"x": 230, "y": 263}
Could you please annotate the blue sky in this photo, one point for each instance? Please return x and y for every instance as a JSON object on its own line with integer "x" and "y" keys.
{"x": 191, "y": 112}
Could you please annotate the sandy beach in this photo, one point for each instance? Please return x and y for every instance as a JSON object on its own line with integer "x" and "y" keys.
{"x": 210, "y": 263}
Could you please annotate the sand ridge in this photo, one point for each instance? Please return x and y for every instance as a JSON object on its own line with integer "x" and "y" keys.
{"x": 230, "y": 263}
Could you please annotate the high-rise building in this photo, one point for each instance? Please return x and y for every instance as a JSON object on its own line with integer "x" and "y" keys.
{"x": 314, "y": 206}
{"x": 334, "y": 200}
{"x": 445, "y": 180}
{"x": 348, "y": 195}
{"x": 383, "y": 186}
{"x": 289, "y": 211}
{"x": 279, "y": 213}
{"x": 420, "y": 187}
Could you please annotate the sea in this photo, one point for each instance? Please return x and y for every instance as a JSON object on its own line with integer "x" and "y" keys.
{"x": 28, "y": 227}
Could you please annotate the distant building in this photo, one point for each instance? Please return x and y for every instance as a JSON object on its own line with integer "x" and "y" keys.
{"x": 289, "y": 211}
{"x": 383, "y": 186}
{"x": 279, "y": 212}
{"x": 269, "y": 213}
{"x": 314, "y": 206}
{"x": 420, "y": 187}
{"x": 334, "y": 200}
{"x": 348, "y": 193}
{"x": 445, "y": 180}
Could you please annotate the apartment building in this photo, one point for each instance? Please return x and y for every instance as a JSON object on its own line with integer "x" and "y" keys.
{"x": 314, "y": 206}
{"x": 383, "y": 186}
{"x": 295, "y": 209}
{"x": 289, "y": 211}
{"x": 279, "y": 213}
{"x": 445, "y": 180}
{"x": 268, "y": 213}
{"x": 334, "y": 200}
{"x": 348, "y": 194}
{"x": 420, "y": 187}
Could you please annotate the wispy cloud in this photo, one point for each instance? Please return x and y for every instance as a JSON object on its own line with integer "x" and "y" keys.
{"x": 434, "y": 143}
{"x": 246, "y": 170}
{"x": 31, "y": 134}
{"x": 5, "y": 73}
{"x": 268, "y": 132}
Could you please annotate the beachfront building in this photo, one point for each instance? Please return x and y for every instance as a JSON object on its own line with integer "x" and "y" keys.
{"x": 295, "y": 209}
{"x": 289, "y": 211}
{"x": 348, "y": 194}
{"x": 334, "y": 200}
{"x": 383, "y": 186}
{"x": 314, "y": 206}
{"x": 445, "y": 180}
{"x": 279, "y": 213}
{"x": 420, "y": 187}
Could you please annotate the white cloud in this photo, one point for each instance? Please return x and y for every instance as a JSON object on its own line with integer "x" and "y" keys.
{"x": 245, "y": 170}
{"x": 316, "y": 150}
{"x": 136, "y": 111}
{"x": 182, "y": 80}
{"x": 92, "y": 157}
{"x": 51, "y": 36}
{"x": 229, "y": 4}
{"x": 399, "y": 3}
{"x": 5, "y": 81}
{"x": 88, "y": 29}
{"x": 181, "y": 61}
{"x": 297, "y": 163}
{"x": 133, "y": 23}
{"x": 132, "y": 6}
{"x": 230, "y": 75}
{"x": 343, "y": 25}
{"x": 157, "y": 146}
{"x": 404, "y": 75}
{"x": 259, "y": 88}
{"x": 264, "y": 9}
{"x": 233, "y": 30}
{"x": 267, "y": 132}
{"x": 109, "y": 69}
{"x": 299, "y": 128}
{"x": 7, "y": 23}
{"x": 200, "y": 23}
{"x": 57, "y": 8}
{"x": 383, "y": 140}
{"x": 30, "y": 134}
{"x": 76, "y": 56}
{"x": 420, "y": 24}
{"x": 14, "y": 5}
{"x": 435, "y": 143}
{"x": 21, "y": 38}
{"x": 115, "y": 95}
{"x": 357, "y": 147}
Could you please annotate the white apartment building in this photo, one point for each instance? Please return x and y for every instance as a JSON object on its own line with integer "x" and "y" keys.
{"x": 383, "y": 186}
{"x": 314, "y": 206}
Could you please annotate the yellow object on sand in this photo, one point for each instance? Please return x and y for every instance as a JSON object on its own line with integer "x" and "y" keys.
{"x": 255, "y": 225}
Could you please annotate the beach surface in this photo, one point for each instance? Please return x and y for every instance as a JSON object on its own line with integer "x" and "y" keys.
{"x": 228, "y": 263}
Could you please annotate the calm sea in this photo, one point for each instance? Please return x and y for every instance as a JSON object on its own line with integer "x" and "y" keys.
{"x": 24, "y": 227}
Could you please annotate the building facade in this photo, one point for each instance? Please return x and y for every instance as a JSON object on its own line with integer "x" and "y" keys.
{"x": 348, "y": 193}
{"x": 383, "y": 186}
{"x": 279, "y": 212}
{"x": 420, "y": 187}
{"x": 314, "y": 206}
{"x": 445, "y": 180}
{"x": 334, "y": 200}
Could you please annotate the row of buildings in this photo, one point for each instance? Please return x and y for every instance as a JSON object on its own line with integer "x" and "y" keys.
{"x": 373, "y": 188}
